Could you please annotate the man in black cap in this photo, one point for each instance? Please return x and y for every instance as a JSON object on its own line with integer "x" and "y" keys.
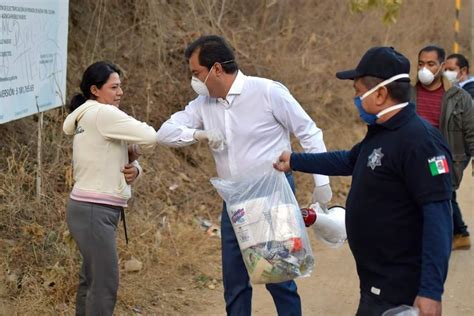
{"x": 398, "y": 217}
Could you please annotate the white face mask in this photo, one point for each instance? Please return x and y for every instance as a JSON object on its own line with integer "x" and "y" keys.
{"x": 426, "y": 77}
{"x": 200, "y": 87}
{"x": 451, "y": 75}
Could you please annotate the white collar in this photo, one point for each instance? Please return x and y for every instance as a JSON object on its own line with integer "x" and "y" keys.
{"x": 238, "y": 84}
{"x": 235, "y": 90}
{"x": 470, "y": 79}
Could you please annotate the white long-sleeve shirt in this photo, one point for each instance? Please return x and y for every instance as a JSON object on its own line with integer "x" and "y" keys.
{"x": 256, "y": 119}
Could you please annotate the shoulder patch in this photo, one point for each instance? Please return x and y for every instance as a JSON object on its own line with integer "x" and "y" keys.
{"x": 438, "y": 165}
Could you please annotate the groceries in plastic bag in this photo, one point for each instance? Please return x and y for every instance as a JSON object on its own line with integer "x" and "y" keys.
{"x": 330, "y": 225}
{"x": 268, "y": 225}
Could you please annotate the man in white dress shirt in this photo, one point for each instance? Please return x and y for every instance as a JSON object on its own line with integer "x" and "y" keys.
{"x": 245, "y": 120}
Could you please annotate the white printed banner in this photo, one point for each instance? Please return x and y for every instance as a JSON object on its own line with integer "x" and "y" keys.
{"x": 33, "y": 56}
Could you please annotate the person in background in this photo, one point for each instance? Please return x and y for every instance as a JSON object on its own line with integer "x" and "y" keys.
{"x": 457, "y": 72}
{"x": 245, "y": 121}
{"x": 450, "y": 109}
{"x": 398, "y": 211}
{"x": 104, "y": 166}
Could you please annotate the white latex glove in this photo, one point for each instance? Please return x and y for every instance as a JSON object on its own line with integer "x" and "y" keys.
{"x": 322, "y": 195}
{"x": 214, "y": 138}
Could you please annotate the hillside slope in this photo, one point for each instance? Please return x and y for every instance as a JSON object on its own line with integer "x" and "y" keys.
{"x": 300, "y": 43}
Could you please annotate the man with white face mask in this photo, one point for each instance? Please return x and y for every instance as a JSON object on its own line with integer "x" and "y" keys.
{"x": 450, "y": 109}
{"x": 398, "y": 217}
{"x": 246, "y": 121}
{"x": 457, "y": 71}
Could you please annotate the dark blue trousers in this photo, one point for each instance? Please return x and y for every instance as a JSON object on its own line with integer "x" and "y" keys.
{"x": 459, "y": 227}
{"x": 237, "y": 287}
{"x": 370, "y": 305}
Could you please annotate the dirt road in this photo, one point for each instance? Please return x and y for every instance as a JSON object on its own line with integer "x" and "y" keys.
{"x": 333, "y": 287}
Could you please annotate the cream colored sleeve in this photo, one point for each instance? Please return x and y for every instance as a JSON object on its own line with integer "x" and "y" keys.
{"x": 69, "y": 125}
{"x": 115, "y": 124}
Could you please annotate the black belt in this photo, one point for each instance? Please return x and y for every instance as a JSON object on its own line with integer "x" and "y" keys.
{"x": 122, "y": 215}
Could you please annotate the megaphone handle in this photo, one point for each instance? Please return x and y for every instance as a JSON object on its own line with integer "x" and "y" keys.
{"x": 324, "y": 207}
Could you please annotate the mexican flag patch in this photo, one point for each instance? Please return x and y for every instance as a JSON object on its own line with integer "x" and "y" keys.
{"x": 438, "y": 165}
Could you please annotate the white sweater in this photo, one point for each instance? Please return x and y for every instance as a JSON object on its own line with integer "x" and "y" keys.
{"x": 100, "y": 151}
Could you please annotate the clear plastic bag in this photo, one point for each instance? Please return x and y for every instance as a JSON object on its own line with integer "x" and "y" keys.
{"x": 268, "y": 225}
{"x": 402, "y": 310}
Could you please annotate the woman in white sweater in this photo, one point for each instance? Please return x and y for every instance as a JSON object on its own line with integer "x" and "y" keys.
{"x": 104, "y": 151}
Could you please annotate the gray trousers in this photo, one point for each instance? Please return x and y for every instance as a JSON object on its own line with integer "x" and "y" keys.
{"x": 93, "y": 227}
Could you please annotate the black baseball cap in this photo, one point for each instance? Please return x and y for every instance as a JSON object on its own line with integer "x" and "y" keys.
{"x": 380, "y": 62}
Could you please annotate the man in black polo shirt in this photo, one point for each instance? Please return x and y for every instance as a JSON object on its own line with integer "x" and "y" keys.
{"x": 398, "y": 217}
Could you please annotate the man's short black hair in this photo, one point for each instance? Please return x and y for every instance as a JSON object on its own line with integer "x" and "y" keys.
{"x": 434, "y": 48}
{"x": 461, "y": 61}
{"x": 213, "y": 49}
{"x": 398, "y": 90}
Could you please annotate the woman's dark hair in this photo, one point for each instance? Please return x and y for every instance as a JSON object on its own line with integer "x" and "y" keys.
{"x": 97, "y": 75}
{"x": 213, "y": 49}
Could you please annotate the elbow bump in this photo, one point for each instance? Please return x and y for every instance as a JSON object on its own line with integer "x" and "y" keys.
{"x": 151, "y": 139}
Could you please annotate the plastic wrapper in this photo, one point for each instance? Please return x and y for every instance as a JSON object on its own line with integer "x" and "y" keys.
{"x": 402, "y": 310}
{"x": 330, "y": 225}
{"x": 268, "y": 225}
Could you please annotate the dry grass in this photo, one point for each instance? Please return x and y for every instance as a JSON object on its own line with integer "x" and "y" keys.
{"x": 300, "y": 43}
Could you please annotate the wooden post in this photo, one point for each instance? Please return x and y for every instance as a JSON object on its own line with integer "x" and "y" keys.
{"x": 456, "y": 26}
{"x": 38, "y": 155}
{"x": 472, "y": 32}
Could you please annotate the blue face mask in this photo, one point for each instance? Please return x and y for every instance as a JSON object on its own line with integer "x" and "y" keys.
{"x": 369, "y": 118}
{"x": 364, "y": 115}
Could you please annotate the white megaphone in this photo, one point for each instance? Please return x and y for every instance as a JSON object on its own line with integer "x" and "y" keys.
{"x": 330, "y": 225}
